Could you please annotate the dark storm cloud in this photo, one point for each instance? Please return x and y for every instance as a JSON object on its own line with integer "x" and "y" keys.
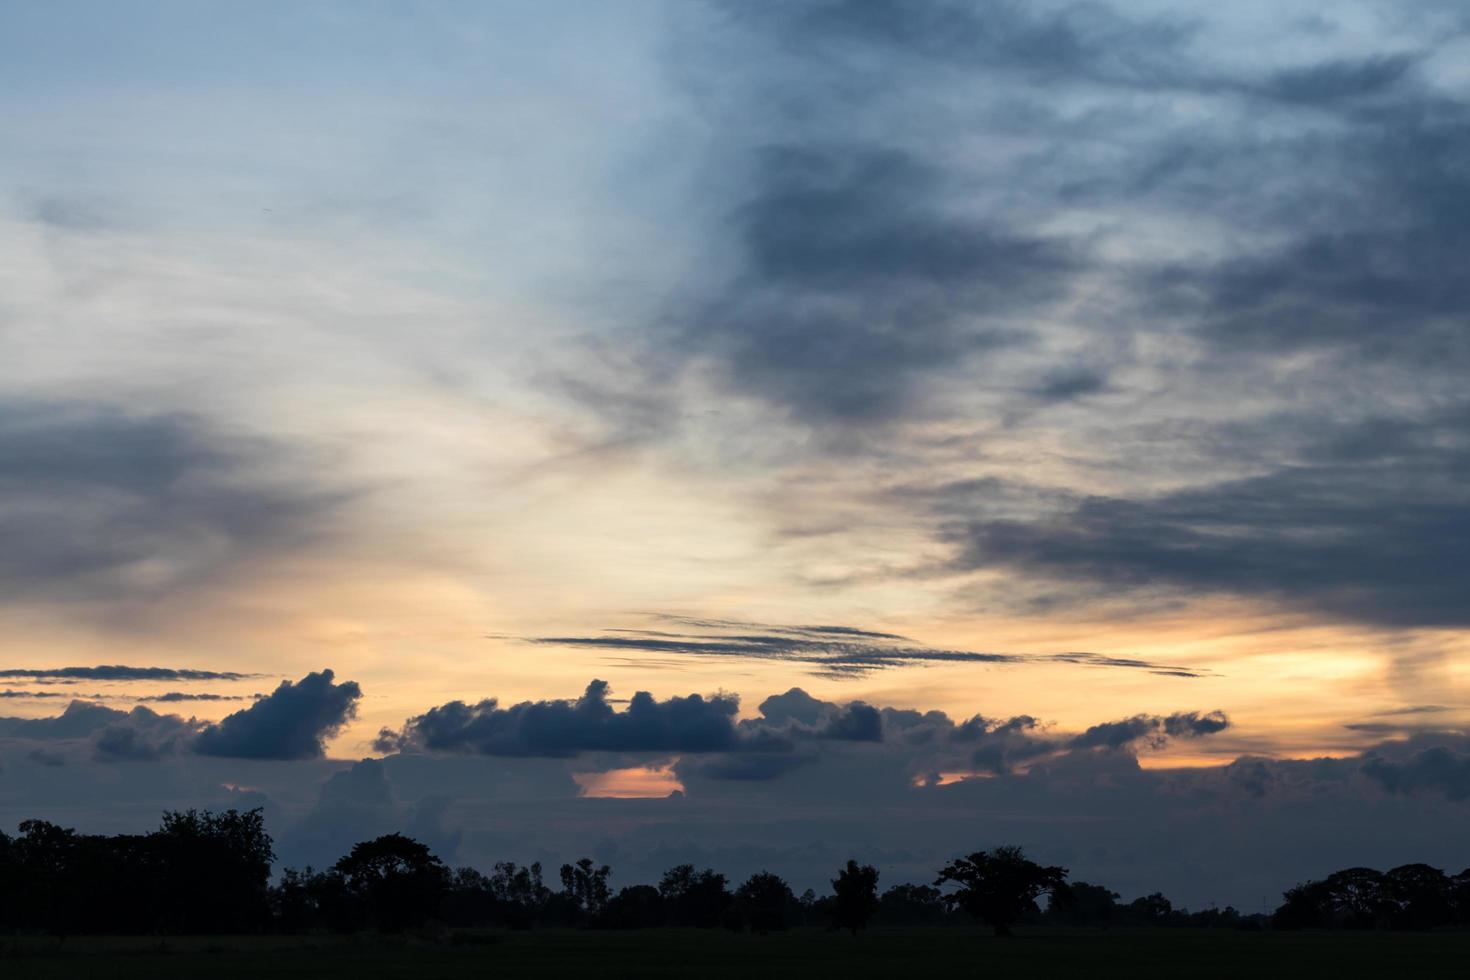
{"x": 1078, "y": 42}
{"x": 998, "y": 746}
{"x": 1068, "y": 384}
{"x": 290, "y": 723}
{"x": 796, "y": 714}
{"x": 1381, "y": 541}
{"x": 858, "y": 283}
{"x": 567, "y": 728}
{"x": 98, "y": 503}
{"x": 119, "y": 673}
{"x": 79, "y": 720}
{"x": 1435, "y": 770}
{"x": 1339, "y": 80}
{"x": 1317, "y": 210}
{"x": 130, "y": 743}
{"x": 749, "y": 767}
{"x": 114, "y": 736}
{"x": 831, "y": 651}
{"x": 1149, "y": 730}
{"x": 1370, "y": 264}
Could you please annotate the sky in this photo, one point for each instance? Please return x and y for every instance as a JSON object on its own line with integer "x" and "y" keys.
{"x": 752, "y": 433}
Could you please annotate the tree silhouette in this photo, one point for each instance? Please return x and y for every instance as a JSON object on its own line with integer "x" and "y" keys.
{"x": 1418, "y": 897}
{"x": 694, "y": 898}
{"x": 765, "y": 902}
{"x": 635, "y": 907}
{"x": 209, "y": 872}
{"x": 1151, "y": 910}
{"x": 213, "y": 870}
{"x": 1356, "y": 898}
{"x": 519, "y": 893}
{"x": 856, "y": 889}
{"x": 1083, "y": 904}
{"x": 586, "y": 886}
{"x": 398, "y": 880}
{"x": 999, "y": 886}
{"x": 908, "y": 904}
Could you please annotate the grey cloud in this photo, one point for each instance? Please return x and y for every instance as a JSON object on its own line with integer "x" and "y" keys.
{"x": 741, "y": 766}
{"x": 1315, "y": 212}
{"x": 830, "y": 651}
{"x": 176, "y": 696}
{"x": 1381, "y": 543}
{"x": 170, "y": 696}
{"x": 1193, "y": 724}
{"x": 1438, "y": 769}
{"x": 799, "y": 715}
{"x": 1068, "y": 384}
{"x": 1152, "y": 730}
{"x": 1090, "y": 43}
{"x": 566, "y": 728}
{"x": 1117, "y": 734}
{"x": 80, "y": 719}
{"x": 291, "y": 723}
{"x": 139, "y": 734}
{"x": 134, "y": 743}
{"x": 794, "y": 706}
{"x": 999, "y": 746}
{"x": 121, "y": 673}
{"x": 1340, "y": 80}
{"x": 100, "y": 504}
{"x": 858, "y": 284}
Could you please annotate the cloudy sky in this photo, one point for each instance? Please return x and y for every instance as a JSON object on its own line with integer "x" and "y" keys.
{"x": 1065, "y": 399}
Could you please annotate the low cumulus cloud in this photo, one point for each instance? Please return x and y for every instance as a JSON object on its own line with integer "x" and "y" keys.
{"x": 793, "y": 730}
{"x": 1151, "y": 729}
{"x": 567, "y": 727}
{"x": 293, "y": 722}
{"x": 830, "y": 651}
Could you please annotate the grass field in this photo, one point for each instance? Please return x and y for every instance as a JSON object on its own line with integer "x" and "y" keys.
{"x": 1040, "y": 953}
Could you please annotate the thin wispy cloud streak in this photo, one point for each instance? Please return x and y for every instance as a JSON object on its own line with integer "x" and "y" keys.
{"x": 167, "y": 697}
{"x": 117, "y": 672}
{"x": 834, "y": 651}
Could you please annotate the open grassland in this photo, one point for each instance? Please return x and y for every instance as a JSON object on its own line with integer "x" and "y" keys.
{"x": 800, "y": 953}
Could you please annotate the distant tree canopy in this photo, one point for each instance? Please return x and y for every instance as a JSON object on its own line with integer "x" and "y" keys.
{"x": 203, "y": 872}
{"x": 856, "y": 891}
{"x": 764, "y": 903}
{"x": 694, "y": 898}
{"x": 1000, "y": 886}
{"x": 1412, "y": 896}
{"x": 199, "y": 872}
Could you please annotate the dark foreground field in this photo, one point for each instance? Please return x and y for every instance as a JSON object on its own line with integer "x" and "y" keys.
{"x": 593, "y": 955}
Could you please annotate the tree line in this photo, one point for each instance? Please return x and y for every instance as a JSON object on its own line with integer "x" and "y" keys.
{"x": 203, "y": 872}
